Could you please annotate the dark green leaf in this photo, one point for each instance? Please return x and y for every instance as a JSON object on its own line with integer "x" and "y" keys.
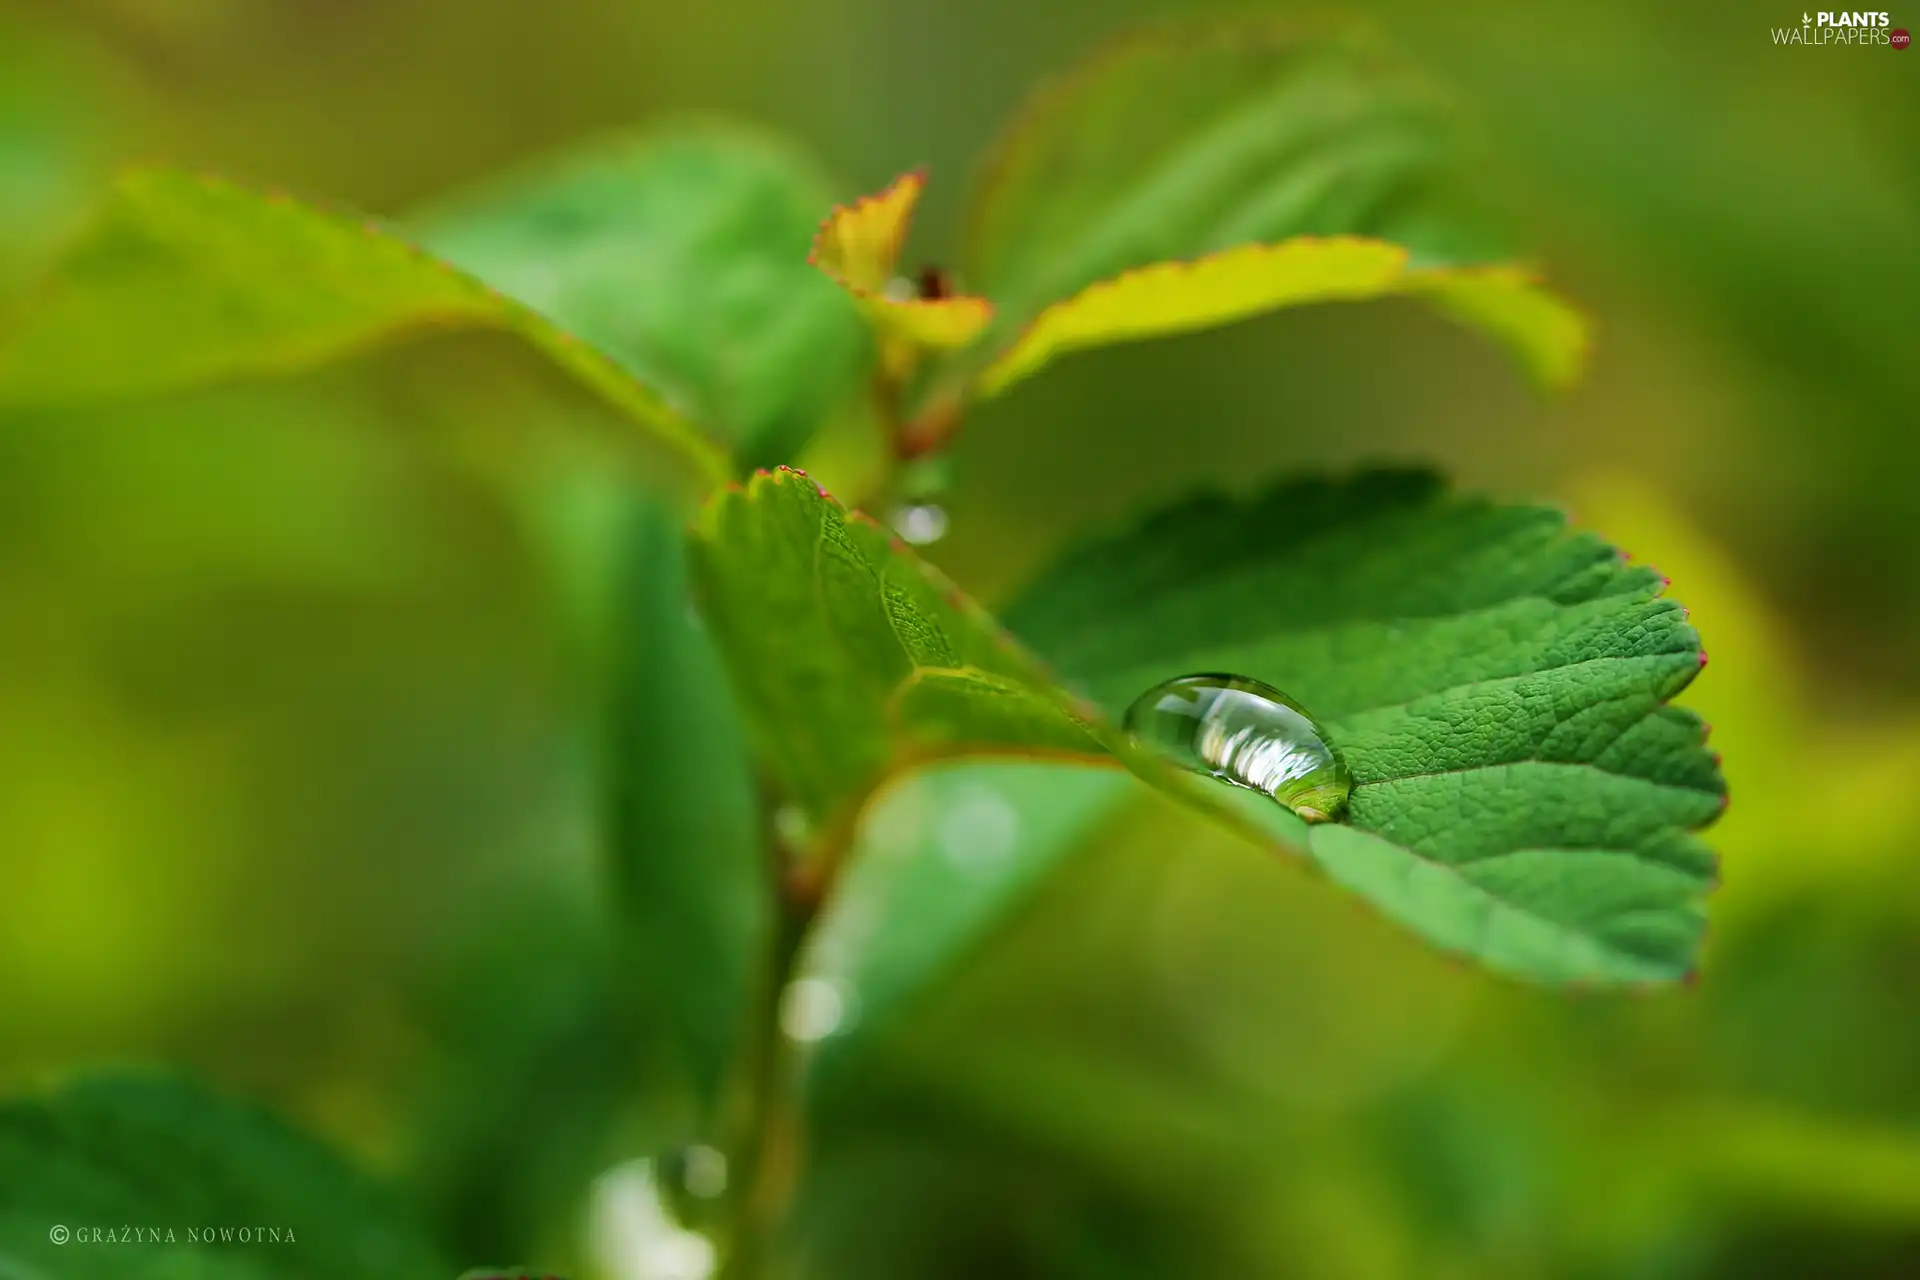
{"x": 683, "y": 255}
{"x": 546, "y": 1076}
{"x": 157, "y": 1153}
{"x": 1498, "y": 685}
{"x": 685, "y": 815}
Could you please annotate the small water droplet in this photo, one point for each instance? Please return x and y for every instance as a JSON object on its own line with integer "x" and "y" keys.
{"x": 811, "y": 1009}
{"x": 791, "y": 824}
{"x": 921, "y": 523}
{"x": 1247, "y": 733}
{"x": 900, "y": 289}
{"x": 703, "y": 1172}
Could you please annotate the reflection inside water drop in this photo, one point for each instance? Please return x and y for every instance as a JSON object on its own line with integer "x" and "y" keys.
{"x": 1247, "y": 733}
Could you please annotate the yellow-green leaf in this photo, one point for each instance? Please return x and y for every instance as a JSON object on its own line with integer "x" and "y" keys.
{"x": 1176, "y": 297}
{"x": 858, "y": 248}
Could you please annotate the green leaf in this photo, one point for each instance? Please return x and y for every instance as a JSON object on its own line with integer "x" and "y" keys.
{"x": 1175, "y": 297}
{"x": 682, "y": 254}
{"x": 688, "y": 860}
{"x": 538, "y": 1085}
{"x": 946, "y": 855}
{"x": 112, "y": 1152}
{"x": 1499, "y": 686}
{"x": 685, "y": 885}
{"x": 183, "y": 280}
{"x": 1189, "y": 141}
{"x": 851, "y": 657}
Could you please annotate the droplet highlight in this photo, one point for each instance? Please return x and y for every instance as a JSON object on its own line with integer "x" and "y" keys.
{"x": 921, "y": 523}
{"x": 1246, "y": 733}
{"x": 703, "y": 1172}
{"x": 811, "y": 1009}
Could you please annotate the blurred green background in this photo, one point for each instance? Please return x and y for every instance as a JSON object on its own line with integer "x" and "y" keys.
{"x": 293, "y": 721}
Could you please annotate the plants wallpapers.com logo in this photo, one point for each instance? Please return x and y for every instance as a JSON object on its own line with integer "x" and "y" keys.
{"x": 1845, "y": 30}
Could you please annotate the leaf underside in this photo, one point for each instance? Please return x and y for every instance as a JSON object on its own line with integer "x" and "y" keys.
{"x": 1547, "y": 336}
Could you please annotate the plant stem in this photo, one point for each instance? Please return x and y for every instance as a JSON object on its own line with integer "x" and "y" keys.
{"x": 766, "y": 1149}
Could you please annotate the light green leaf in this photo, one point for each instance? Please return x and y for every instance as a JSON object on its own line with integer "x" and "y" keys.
{"x": 683, "y": 255}
{"x": 1189, "y": 141}
{"x": 851, "y": 657}
{"x": 1497, "y": 684}
{"x": 113, "y": 1152}
{"x": 946, "y": 854}
{"x": 183, "y": 280}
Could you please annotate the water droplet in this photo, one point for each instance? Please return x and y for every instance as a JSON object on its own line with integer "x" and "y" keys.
{"x": 811, "y": 1009}
{"x": 900, "y": 289}
{"x": 1247, "y": 733}
{"x": 791, "y": 824}
{"x": 703, "y": 1172}
{"x": 921, "y": 523}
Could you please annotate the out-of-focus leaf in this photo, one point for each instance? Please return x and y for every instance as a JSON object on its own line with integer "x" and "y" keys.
{"x": 944, "y": 855}
{"x": 183, "y": 280}
{"x": 1175, "y": 297}
{"x": 1180, "y": 144}
{"x": 684, "y": 887}
{"x": 684, "y": 820}
{"x": 112, "y": 1152}
{"x": 1508, "y": 304}
{"x": 859, "y": 247}
{"x": 851, "y": 656}
{"x": 544, "y": 1078}
{"x": 1498, "y": 686}
{"x": 681, "y": 254}
{"x": 1187, "y": 140}
{"x": 51, "y": 140}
